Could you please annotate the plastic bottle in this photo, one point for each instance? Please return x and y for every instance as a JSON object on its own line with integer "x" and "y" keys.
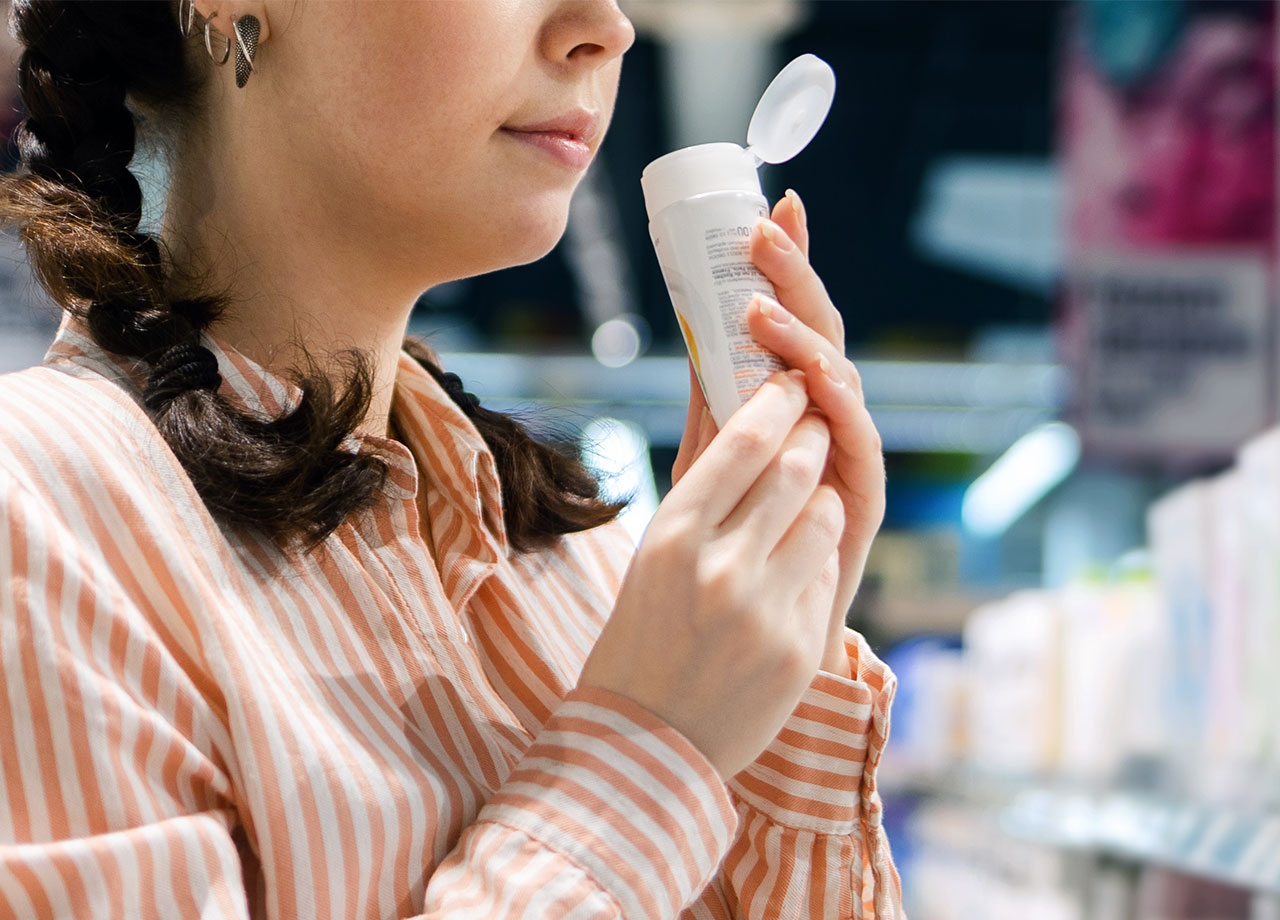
{"x": 703, "y": 202}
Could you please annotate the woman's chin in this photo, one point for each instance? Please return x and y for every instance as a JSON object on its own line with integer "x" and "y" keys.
{"x": 507, "y": 237}
{"x": 535, "y": 235}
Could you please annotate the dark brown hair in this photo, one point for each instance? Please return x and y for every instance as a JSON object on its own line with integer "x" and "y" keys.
{"x": 78, "y": 208}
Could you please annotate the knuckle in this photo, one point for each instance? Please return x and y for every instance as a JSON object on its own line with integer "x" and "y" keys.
{"x": 797, "y": 466}
{"x": 817, "y": 431}
{"x": 827, "y": 513}
{"x": 720, "y": 578}
{"x": 674, "y": 535}
{"x": 712, "y": 572}
{"x": 749, "y": 438}
{"x": 874, "y": 437}
{"x": 830, "y": 573}
{"x": 794, "y": 664}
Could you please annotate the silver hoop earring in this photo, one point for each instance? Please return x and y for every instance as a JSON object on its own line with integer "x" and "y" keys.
{"x": 187, "y": 21}
{"x": 208, "y": 43}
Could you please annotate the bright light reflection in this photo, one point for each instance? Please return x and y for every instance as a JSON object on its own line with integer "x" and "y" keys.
{"x": 1027, "y": 471}
{"x": 618, "y": 453}
{"x": 616, "y": 342}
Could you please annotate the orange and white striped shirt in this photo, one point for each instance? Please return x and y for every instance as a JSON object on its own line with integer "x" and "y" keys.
{"x": 196, "y": 724}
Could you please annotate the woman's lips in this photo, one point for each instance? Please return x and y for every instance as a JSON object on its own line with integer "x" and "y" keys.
{"x": 566, "y": 148}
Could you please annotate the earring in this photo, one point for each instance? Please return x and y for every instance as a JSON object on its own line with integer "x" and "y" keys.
{"x": 247, "y": 30}
{"x": 187, "y": 22}
{"x": 208, "y": 43}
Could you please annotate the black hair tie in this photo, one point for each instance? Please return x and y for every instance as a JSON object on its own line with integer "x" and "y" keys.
{"x": 178, "y": 369}
{"x": 452, "y": 384}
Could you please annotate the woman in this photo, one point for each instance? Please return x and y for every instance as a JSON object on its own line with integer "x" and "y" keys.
{"x": 293, "y": 626}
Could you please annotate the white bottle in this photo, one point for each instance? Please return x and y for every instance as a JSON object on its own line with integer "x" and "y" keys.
{"x": 703, "y": 202}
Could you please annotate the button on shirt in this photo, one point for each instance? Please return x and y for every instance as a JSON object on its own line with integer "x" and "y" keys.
{"x": 199, "y": 724}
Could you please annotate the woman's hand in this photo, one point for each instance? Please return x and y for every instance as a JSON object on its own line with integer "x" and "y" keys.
{"x": 721, "y": 620}
{"x": 856, "y": 470}
{"x": 807, "y": 332}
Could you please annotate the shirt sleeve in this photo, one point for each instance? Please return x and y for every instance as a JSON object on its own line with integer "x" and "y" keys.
{"x": 611, "y": 813}
{"x": 106, "y": 808}
{"x": 614, "y": 814}
{"x": 810, "y": 840}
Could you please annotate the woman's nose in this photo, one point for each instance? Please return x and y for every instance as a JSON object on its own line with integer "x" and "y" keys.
{"x": 589, "y": 31}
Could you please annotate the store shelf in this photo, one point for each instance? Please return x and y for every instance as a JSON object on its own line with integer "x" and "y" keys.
{"x": 966, "y": 407}
{"x": 1234, "y": 846}
{"x": 1227, "y": 844}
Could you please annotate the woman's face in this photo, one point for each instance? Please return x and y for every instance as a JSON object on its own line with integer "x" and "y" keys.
{"x": 392, "y": 117}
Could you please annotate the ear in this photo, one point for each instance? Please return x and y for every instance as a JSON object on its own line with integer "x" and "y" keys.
{"x": 221, "y": 11}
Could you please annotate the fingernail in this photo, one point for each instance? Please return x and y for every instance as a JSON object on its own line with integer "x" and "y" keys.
{"x": 825, "y": 366}
{"x": 797, "y": 206}
{"x": 771, "y": 310}
{"x": 796, "y": 374}
{"x": 776, "y": 235}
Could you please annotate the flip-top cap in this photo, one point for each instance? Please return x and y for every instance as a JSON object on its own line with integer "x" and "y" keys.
{"x": 792, "y": 109}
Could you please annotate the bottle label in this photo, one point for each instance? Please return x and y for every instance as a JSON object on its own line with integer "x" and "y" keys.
{"x": 703, "y": 246}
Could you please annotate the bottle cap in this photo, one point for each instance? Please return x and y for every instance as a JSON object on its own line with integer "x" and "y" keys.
{"x": 792, "y": 109}
{"x": 690, "y": 171}
{"x": 786, "y": 118}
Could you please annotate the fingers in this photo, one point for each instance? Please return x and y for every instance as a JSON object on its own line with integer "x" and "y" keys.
{"x": 782, "y": 260}
{"x": 858, "y": 458}
{"x": 788, "y": 213}
{"x": 779, "y": 495}
{"x": 798, "y": 344}
{"x": 734, "y": 460}
{"x": 803, "y": 553}
{"x": 836, "y": 388}
{"x": 816, "y": 605}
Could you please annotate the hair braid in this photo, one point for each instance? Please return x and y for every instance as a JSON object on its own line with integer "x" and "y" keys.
{"x": 78, "y": 137}
{"x": 85, "y": 69}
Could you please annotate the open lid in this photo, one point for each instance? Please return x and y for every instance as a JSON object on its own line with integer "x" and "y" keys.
{"x": 791, "y": 110}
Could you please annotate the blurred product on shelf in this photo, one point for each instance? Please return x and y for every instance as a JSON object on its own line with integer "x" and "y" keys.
{"x": 1047, "y": 683}
{"x": 1076, "y": 740}
{"x": 1215, "y": 545}
{"x": 1118, "y": 679}
{"x": 1259, "y": 463}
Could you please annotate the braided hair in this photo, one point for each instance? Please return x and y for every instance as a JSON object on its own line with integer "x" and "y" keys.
{"x": 85, "y": 69}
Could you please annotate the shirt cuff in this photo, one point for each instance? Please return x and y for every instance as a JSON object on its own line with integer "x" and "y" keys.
{"x": 818, "y": 774}
{"x": 617, "y": 791}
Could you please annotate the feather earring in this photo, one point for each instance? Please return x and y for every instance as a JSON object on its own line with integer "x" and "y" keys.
{"x": 247, "y": 29}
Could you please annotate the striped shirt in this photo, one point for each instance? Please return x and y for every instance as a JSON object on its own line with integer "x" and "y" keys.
{"x": 198, "y": 724}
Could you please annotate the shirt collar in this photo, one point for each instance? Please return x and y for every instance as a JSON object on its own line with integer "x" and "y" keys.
{"x": 440, "y": 440}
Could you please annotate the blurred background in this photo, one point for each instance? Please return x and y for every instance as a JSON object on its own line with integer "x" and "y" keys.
{"x": 1051, "y": 229}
